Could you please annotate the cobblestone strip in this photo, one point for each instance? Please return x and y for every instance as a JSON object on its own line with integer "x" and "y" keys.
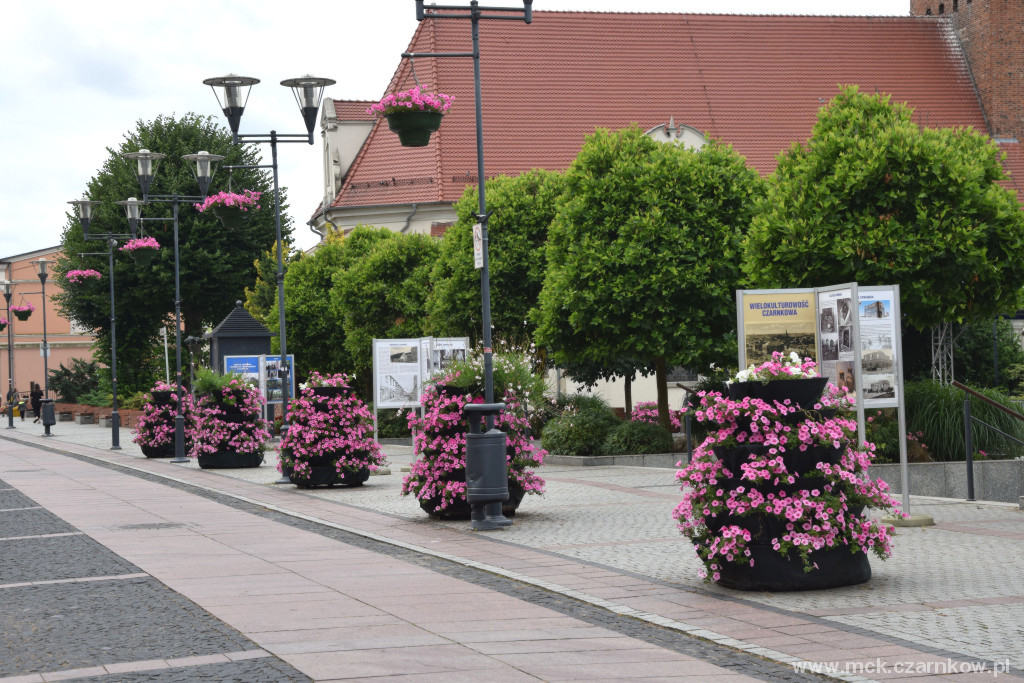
{"x": 141, "y": 667}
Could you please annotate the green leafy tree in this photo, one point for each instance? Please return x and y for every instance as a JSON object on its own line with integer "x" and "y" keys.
{"x": 975, "y": 358}
{"x": 261, "y": 299}
{"x": 312, "y": 313}
{"x": 383, "y": 294}
{"x": 643, "y": 256}
{"x": 216, "y": 264}
{"x": 874, "y": 198}
{"x": 523, "y": 207}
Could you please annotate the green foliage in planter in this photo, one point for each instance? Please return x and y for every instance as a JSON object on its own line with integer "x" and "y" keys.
{"x": 581, "y": 429}
{"x": 937, "y": 411}
{"x": 393, "y": 424}
{"x": 69, "y": 383}
{"x": 629, "y": 438}
{"x": 511, "y": 369}
{"x": 209, "y": 381}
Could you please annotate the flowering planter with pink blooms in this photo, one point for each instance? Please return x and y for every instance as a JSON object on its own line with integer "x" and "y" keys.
{"x": 438, "y": 476}
{"x": 227, "y": 422}
{"x": 413, "y": 114}
{"x": 230, "y": 207}
{"x": 154, "y": 432}
{"x": 23, "y": 311}
{"x": 774, "y": 499}
{"x": 142, "y": 250}
{"x": 78, "y": 276}
{"x": 329, "y": 439}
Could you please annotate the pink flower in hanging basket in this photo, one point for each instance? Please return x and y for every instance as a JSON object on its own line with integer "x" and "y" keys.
{"x": 412, "y": 100}
{"x": 26, "y": 307}
{"x": 243, "y": 201}
{"x": 77, "y": 276}
{"x": 140, "y": 243}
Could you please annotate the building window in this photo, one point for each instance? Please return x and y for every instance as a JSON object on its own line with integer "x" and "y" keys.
{"x": 956, "y": 5}
{"x": 942, "y": 8}
{"x": 928, "y": 12}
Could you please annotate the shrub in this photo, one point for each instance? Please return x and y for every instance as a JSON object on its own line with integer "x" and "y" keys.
{"x": 136, "y": 401}
{"x": 69, "y": 383}
{"x": 97, "y": 398}
{"x": 638, "y": 437}
{"x": 581, "y": 429}
{"x": 647, "y": 411}
{"x": 393, "y": 424}
{"x": 937, "y": 412}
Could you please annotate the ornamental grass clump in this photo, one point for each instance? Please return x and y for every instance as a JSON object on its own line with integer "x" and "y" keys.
{"x": 779, "y": 476}
{"x": 228, "y": 418}
{"x": 438, "y": 476}
{"x": 331, "y": 428}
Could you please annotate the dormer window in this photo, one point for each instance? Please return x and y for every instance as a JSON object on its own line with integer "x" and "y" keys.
{"x": 678, "y": 134}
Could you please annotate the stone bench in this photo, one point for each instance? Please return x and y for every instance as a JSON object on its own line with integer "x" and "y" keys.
{"x": 84, "y": 418}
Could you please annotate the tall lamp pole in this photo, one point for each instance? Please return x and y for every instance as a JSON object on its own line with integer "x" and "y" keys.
{"x": 145, "y": 170}
{"x": 84, "y": 208}
{"x": 42, "y": 271}
{"x": 8, "y": 289}
{"x": 232, "y": 93}
{"x": 481, "y": 469}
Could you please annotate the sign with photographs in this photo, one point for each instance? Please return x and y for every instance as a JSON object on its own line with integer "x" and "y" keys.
{"x": 779, "y": 320}
{"x": 397, "y": 372}
{"x": 837, "y": 330}
{"x": 878, "y": 313}
{"x": 263, "y": 371}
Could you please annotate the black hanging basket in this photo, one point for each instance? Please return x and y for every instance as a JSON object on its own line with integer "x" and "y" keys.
{"x": 230, "y": 216}
{"x": 414, "y": 127}
{"x": 143, "y": 256}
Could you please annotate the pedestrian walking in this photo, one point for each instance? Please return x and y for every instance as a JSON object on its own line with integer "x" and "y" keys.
{"x": 36, "y": 396}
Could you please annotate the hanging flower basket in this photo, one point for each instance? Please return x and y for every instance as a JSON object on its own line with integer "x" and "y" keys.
{"x": 78, "y": 276}
{"x": 23, "y": 311}
{"x": 230, "y": 207}
{"x": 413, "y": 114}
{"x": 142, "y": 249}
{"x": 3, "y": 324}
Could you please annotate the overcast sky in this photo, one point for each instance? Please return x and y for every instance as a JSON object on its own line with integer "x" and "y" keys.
{"x": 78, "y": 75}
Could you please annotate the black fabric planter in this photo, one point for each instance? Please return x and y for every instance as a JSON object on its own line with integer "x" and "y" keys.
{"x": 773, "y": 572}
{"x": 460, "y": 509}
{"x": 803, "y": 392}
{"x": 330, "y": 477}
{"x": 229, "y": 460}
{"x": 164, "y": 451}
{"x": 331, "y": 392}
{"x": 162, "y": 397}
{"x": 735, "y": 456}
{"x": 803, "y": 462}
{"x": 414, "y": 127}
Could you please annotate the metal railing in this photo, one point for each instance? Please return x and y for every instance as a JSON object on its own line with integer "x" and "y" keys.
{"x": 970, "y": 419}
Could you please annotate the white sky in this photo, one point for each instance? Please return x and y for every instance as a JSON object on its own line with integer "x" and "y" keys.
{"x": 78, "y": 75}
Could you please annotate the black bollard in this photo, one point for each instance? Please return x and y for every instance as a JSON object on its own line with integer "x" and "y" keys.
{"x": 49, "y": 416}
{"x": 486, "y": 469}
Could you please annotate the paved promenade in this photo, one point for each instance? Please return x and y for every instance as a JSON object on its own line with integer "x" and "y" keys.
{"x": 115, "y": 567}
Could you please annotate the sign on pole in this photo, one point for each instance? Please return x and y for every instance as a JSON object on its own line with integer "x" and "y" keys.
{"x": 478, "y": 245}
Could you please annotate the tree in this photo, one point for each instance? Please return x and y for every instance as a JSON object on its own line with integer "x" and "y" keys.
{"x": 976, "y": 359}
{"x": 216, "y": 264}
{"x": 261, "y": 299}
{"x": 383, "y": 294}
{"x": 313, "y": 315}
{"x": 874, "y": 198}
{"x": 643, "y": 255}
{"x": 523, "y": 207}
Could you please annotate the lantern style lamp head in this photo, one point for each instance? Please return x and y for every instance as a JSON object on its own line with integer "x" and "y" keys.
{"x": 132, "y": 208}
{"x": 232, "y": 93}
{"x": 42, "y": 268}
{"x": 308, "y": 91}
{"x": 7, "y": 287}
{"x": 84, "y": 207}
{"x": 145, "y": 167}
{"x": 204, "y": 168}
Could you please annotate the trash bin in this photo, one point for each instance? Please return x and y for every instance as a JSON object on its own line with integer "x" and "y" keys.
{"x": 49, "y": 415}
{"x": 486, "y": 469}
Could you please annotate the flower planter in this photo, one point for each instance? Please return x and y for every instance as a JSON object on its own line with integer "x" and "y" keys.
{"x": 803, "y": 462}
{"x": 83, "y": 419}
{"x": 733, "y": 457}
{"x": 330, "y": 392}
{"x": 772, "y": 572}
{"x": 143, "y": 256}
{"x": 65, "y": 417}
{"x": 162, "y": 397}
{"x": 229, "y": 216}
{"x": 3, "y": 326}
{"x": 330, "y": 477}
{"x": 225, "y": 460}
{"x": 162, "y": 451}
{"x": 21, "y": 315}
{"x": 459, "y": 509}
{"x": 414, "y": 127}
{"x": 803, "y": 392}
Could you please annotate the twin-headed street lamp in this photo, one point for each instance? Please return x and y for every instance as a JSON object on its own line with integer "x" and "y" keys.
{"x": 232, "y": 93}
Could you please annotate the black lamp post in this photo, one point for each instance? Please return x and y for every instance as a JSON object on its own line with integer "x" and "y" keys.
{"x": 232, "y": 93}
{"x": 145, "y": 170}
{"x": 8, "y": 289}
{"x": 85, "y": 207}
{"x": 481, "y": 458}
{"x": 42, "y": 270}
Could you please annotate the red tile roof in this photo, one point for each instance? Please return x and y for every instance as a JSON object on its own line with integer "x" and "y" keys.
{"x": 756, "y": 82}
{"x": 353, "y": 110}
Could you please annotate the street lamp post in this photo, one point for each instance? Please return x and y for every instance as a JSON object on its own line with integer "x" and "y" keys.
{"x": 232, "y": 97}
{"x": 145, "y": 170}
{"x": 84, "y": 208}
{"x": 482, "y": 464}
{"x": 8, "y": 289}
{"x": 42, "y": 270}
